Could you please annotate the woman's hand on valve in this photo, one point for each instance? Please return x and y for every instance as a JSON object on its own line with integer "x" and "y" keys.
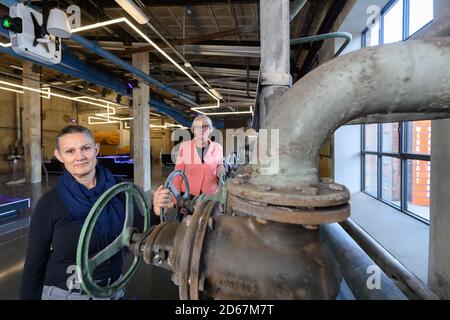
{"x": 162, "y": 198}
{"x": 219, "y": 170}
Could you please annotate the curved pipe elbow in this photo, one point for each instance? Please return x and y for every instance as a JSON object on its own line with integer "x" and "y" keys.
{"x": 408, "y": 79}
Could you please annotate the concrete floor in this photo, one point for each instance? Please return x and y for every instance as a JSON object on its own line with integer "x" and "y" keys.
{"x": 406, "y": 238}
{"x": 13, "y": 243}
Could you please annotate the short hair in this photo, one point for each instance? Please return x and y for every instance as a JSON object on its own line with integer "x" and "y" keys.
{"x": 200, "y": 117}
{"x": 73, "y": 129}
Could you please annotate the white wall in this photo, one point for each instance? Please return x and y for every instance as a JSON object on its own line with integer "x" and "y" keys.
{"x": 347, "y": 157}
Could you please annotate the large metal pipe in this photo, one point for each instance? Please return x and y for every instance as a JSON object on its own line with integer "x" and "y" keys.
{"x": 227, "y": 256}
{"x": 409, "y": 283}
{"x": 276, "y": 78}
{"x": 407, "y": 78}
{"x": 364, "y": 278}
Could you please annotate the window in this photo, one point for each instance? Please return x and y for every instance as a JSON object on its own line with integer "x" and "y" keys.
{"x": 371, "y": 137}
{"x": 418, "y": 196}
{"x": 391, "y": 180}
{"x": 398, "y": 21}
{"x": 393, "y": 23}
{"x": 419, "y": 137}
{"x": 373, "y": 35}
{"x": 395, "y": 157}
{"x": 420, "y": 14}
{"x": 391, "y": 141}
{"x": 371, "y": 174}
{"x": 396, "y": 165}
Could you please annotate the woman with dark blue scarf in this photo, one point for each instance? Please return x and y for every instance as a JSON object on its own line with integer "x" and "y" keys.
{"x": 50, "y": 265}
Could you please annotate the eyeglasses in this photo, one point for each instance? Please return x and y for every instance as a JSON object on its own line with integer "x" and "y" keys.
{"x": 203, "y": 127}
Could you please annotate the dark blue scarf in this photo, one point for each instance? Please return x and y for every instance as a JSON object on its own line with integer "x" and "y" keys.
{"x": 79, "y": 200}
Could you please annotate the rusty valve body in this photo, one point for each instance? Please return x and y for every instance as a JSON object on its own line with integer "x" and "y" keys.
{"x": 223, "y": 256}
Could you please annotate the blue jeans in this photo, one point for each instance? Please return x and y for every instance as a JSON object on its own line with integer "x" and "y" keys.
{"x": 55, "y": 293}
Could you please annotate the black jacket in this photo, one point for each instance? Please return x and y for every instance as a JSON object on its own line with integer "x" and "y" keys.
{"x": 52, "y": 246}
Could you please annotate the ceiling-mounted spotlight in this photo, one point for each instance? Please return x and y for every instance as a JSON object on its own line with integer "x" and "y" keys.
{"x": 133, "y": 10}
{"x": 58, "y": 24}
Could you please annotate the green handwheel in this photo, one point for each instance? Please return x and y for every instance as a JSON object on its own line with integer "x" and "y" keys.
{"x": 87, "y": 265}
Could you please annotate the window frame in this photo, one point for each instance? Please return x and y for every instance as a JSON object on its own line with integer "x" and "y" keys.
{"x": 403, "y": 156}
{"x": 380, "y": 19}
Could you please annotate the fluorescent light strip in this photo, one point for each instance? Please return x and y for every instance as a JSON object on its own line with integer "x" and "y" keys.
{"x": 133, "y": 10}
{"x": 97, "y": 25}
{"x": 100, "y": 100}
{"x": 9, "y": 89}
{"x": 47, "y": 96}
{"x": 226, "y": 113}
{"x": 108, "y": 117}
{"x": 49, "y": 93}
{"x": 99, "y": 122}
{"x": 155, "y": 126}
{"x": 205, "y": 107}
{"x": 114, "y": 21}
{"x": 131, "y": 25}
{"x": 171, "y": 60}
{"x": 114, "y": 118}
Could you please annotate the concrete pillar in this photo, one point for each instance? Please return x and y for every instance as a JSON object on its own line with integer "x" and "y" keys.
{"x": 275, "y": 54}
{"x": 32, "y": 125}
{"x": 141, "y": 126}
{"x": 167, "y": 141}
{"x": 439, "y": 252}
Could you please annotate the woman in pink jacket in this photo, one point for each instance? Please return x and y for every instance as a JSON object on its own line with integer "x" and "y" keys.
{"x": 201, "y": 161}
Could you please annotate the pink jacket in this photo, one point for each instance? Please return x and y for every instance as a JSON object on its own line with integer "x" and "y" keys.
{"x": 202, "y": 177}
